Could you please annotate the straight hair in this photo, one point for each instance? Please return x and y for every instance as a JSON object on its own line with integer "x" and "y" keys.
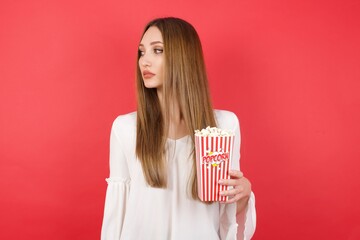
{"x": 185, "y": 80}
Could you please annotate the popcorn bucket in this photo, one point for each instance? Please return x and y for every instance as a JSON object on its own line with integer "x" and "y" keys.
{"x": 213, "y": 161}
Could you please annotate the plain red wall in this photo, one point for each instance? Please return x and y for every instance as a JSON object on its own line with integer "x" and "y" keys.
{"x": 288, "y": 69}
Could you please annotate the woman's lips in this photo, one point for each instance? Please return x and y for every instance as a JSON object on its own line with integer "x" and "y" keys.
{"x": 148, "y": 74}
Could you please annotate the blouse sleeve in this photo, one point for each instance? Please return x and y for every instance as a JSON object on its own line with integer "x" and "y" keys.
{"x": 241, "y": 226}
{"x": 117, "y": 190}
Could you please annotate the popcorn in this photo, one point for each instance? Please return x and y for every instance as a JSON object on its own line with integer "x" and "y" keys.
{"x": 213, "y": 131}
{"x": 213, "y": 147}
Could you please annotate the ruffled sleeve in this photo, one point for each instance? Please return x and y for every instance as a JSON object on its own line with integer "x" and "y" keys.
{"x": 117, "y": 190}
{"x": 241, "y": 226}
{"x": 248, "y": 228}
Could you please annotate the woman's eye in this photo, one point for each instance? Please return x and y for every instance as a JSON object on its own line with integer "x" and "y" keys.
{"x": 158, "y": 50}
{"x": 141, "y": 53}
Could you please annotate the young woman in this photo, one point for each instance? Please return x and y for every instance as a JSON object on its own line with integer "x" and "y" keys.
{"x": 152, "y": 190}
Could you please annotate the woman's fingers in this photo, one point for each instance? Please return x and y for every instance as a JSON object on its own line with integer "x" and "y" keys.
{"x": 229, "y": 182}
{"x": 240, "y": 186}
{"x": 234, "y": 181}
{"x": 231, "y": 192}
{"x": 236, "y": 174}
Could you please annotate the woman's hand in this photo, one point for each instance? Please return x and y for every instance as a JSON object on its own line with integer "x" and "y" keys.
{"x": 241, "y": 189}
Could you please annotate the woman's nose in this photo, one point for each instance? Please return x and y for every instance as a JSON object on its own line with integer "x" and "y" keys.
{"x": 145, "y": 61}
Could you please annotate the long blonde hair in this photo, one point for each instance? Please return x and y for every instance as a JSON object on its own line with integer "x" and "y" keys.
{"x": 186, "y": 81}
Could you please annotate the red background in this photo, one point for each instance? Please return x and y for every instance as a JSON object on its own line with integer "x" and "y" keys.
{"x": 288, "y": 69}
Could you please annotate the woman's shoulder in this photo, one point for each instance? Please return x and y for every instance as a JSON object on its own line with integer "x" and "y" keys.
{"x": 226, "y": 119}
{"x": 125, "y": 118}
{"x": 125, "y": 122}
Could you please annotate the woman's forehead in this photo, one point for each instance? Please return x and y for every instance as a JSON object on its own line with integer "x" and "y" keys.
{"x": 151, "y": 36}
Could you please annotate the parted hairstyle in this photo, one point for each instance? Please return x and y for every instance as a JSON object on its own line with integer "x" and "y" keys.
{"x": 186, "y": 81}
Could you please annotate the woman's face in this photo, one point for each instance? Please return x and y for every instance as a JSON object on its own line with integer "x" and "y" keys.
{"x": 151, "y": 59}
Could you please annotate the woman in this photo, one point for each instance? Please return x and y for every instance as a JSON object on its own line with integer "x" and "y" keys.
{"x": 152, "y": 192}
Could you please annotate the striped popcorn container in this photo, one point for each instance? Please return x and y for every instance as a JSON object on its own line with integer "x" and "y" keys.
{"x": 213, "y": 161}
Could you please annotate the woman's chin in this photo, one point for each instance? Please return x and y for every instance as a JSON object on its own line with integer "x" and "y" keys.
{"x": 152, "y": 85}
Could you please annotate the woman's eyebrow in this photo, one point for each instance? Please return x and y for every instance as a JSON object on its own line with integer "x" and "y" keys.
{"x": 152, "y": 43}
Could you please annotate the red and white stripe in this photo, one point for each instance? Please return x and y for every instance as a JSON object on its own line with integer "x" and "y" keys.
{"x": 208, "y": 175}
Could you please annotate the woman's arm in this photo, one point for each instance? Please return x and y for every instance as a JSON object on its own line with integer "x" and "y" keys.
{"x": 118, "y": 188}
{"x": 240, "y": 193}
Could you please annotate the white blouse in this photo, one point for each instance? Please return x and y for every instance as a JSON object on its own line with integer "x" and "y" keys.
{"x": 134, "y": 210}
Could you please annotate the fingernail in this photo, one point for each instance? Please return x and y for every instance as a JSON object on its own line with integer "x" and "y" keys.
{"x": 220, "y": 182}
